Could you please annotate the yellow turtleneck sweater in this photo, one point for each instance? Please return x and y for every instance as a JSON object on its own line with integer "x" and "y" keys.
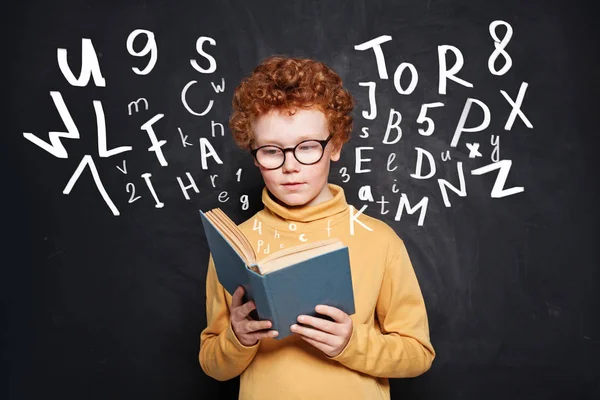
{"x": 390, "y": 337}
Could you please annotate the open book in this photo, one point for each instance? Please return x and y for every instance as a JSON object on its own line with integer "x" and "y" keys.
{"x": 286, "y": 283}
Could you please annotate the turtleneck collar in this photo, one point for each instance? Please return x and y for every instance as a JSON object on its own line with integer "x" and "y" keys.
{"x": 324, "y": 209}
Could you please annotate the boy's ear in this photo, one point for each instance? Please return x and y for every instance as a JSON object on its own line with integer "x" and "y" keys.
{"x": 335, "y": 153}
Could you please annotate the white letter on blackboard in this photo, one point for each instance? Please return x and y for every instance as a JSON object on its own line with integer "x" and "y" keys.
{"x": 498, "y": 189}
{"x": 516, "y": 105}
{"x": 375, "y": 44}
{"x": 192, "y": 185}
{"x": 212, "y": 63}
{"x": 359, "y": 160}
{"x": 56, "y": 148}
{"x": 449, "y": 74}
{"x": 460, "y": 127}
{"x": 149, "y": 47}
{"x": 445, "y": 184}
{"x": 395, "y": 125}
{"x": 413, "y": 81}
{"x": 206, "y": 150}
{"x": 87, "y": 160}
{"x": 89, "y": 66}
{"x": 156, "y": 144}
{"x": 372, "y": 103}
{"x": 411, "y": 210}
{"x": 417, "y": 174}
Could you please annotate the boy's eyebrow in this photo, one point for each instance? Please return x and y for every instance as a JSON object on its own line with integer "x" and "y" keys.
{"x": 276, "y": 141}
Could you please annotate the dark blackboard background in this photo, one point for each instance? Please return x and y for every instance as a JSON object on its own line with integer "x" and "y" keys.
{"x": 98, "y": 306}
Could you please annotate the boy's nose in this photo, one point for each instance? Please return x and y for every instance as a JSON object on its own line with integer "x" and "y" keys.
{"x": 290, "y": 164}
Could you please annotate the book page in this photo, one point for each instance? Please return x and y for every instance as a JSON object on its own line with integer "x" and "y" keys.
{"x": 294, "y": 257}
{"x": 243, "y": 241}
{"x": 229, "y": 232}
{"x": 298, "y": 248}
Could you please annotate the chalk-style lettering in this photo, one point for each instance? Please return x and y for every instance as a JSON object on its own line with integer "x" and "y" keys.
{"x": 390, "y": 160}
{"x": 359, "y": 160}
{"x": 184, "y": 141}
{"x": 398, "y": 77}
{"x": 354, "y": 218}
{"x": 136, "y": 104}
{"x": 292, "y": 226}
{"x": 495, "y": 141}
{"x": 212, "y": 128}
{"x": 364, "y": 193}
{"x": 223, "y": 198}
{"x": 89, "y": 66}
{"x": 394, "y": 188}
{"x": 149, "y": 47}
{"x": 192, "y": 185}
{"x": 446, "y": 155}
{"x": 473, "y": 150}
{"x": 88, "y": 161}
{"x": 147, "y": 176}
{"x": 498, "y": 190}
{"x": 383, "y": 203}
{"x": 302, "y": 237}
{"x": 445, "y": 184}
{"x": 239, "y": 174}
{"x": 187, "y": 107}
{"x": 345, "y": 176}
{"x": 423, "y": 118}
{"x": 124, "y": 170}
{"x": 500, "y": 45}
{"x": 56, "y": 147}
{"x": 420, "y": 153}
{"x": 395, "y": 125}
{"x": 219, "y": 88}
{"x": 375, "y": 44}
{"x": 365, "y": 131}
{"x": 444, "y": 73}
{"x": 212, "y": 179}
{"x": 132, "y": 198}
{"x": 212, "y": 63}
{"x": 516, "y": 108}
{"x": 460, "y": 127}
{"x": 207, "y": 150}
{"x": 156, "y": 144}
{"x": 404, "y": 204}
{"x": 244, "y": 201}
{"x": 257, "y": 226}
{"x": 372, "y": 113}
{"x": 101, "y": 129}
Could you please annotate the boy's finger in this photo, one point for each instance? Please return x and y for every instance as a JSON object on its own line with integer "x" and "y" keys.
{"x": 318, "y": 323}
{"x": 335, "y": 313}
{"x": 253, "y": 326}
{"x": 246, "y": 308}
{"x": 236, "y": 299}
{"x": 267, "y": 334}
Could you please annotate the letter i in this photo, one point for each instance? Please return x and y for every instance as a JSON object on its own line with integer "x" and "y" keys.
{"x": 147, "y": 176}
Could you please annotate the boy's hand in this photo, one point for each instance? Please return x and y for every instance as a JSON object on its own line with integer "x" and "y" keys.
{"x": 329, "y": 337}
{"x": 247, "y": 330}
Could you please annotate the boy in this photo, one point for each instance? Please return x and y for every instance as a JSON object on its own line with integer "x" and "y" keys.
{"x": 294, "y": 116}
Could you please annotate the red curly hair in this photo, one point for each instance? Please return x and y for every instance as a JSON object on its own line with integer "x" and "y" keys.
{"x": 285, "y": 84}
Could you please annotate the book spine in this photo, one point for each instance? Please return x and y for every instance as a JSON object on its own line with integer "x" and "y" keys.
{"x": 261, "y": 294}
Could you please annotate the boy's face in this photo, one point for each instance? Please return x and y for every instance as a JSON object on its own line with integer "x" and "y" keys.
{"x": 283, "y": 130}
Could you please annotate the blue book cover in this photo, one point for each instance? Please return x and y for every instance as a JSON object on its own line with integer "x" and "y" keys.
{"x": 283, "y": 294}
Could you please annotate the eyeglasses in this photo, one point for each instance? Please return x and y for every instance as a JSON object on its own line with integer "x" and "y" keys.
{"x": 307, "y": 152}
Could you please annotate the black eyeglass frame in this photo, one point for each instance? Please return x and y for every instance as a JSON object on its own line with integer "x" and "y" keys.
{"x": 323, "y": 144}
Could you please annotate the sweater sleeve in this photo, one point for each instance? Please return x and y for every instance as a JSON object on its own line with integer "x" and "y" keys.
{"x": 221, "y": 355}
{"x": 403, "y": 348}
